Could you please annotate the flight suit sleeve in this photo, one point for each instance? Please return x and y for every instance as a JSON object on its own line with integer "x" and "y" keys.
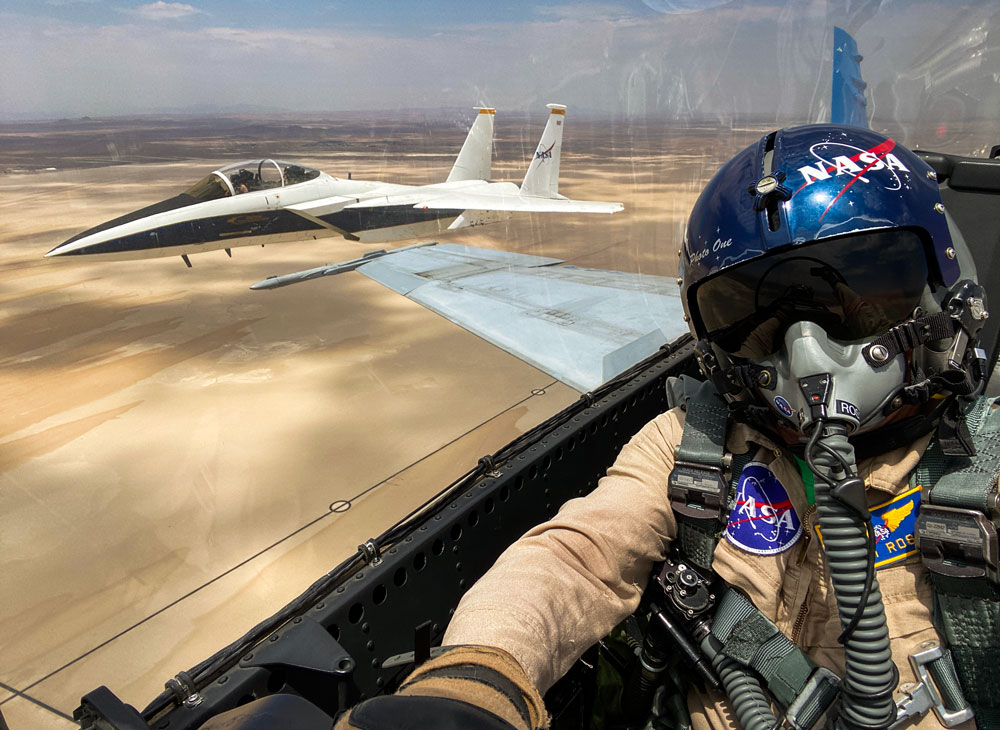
{"x": 568, "y": 582}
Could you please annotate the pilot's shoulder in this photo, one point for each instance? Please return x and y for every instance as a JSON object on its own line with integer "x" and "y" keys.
{"x": 663, "y": 433}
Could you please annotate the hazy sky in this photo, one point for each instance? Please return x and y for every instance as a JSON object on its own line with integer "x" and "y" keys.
{"x": 671, "y": 57}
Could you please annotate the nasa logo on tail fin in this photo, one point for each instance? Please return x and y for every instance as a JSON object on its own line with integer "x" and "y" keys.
{"x": 542, "y": 178}
{"x": 545, "y": 154}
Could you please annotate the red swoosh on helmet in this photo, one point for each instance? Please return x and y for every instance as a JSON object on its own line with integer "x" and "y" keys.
{"x": 880, "y": 151}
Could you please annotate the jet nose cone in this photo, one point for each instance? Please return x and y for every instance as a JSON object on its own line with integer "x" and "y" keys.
{"x": 94, "y": 241}
{"x": 60, "y": 250}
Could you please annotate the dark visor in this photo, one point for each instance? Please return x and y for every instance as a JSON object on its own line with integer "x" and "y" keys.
{"x": 854, "y": 287}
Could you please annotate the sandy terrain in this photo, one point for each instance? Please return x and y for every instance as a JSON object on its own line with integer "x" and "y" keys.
{"x": 172, "y": 445}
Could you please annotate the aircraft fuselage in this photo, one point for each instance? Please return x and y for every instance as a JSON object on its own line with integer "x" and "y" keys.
{"x": 188, "y": 226}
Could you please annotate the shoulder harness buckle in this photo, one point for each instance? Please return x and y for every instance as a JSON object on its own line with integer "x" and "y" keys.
{"x": 960, "y": 543}
{"x": 699, "y": 491}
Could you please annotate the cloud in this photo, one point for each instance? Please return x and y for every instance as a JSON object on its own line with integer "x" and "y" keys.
{"x": 161, "y": 10}
{"x": 760, "y": 59}
{"x": 681, "y": 7}
{"x": 582, "y": 11}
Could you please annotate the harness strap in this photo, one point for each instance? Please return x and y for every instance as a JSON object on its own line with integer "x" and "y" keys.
{"x": 957, "y": 537}
{"x": 966, "y": 483}
{"x": 937, "y": 689}
{"x": 794, "y": 680}
{"x": 704, "y": 437}
{"x": 699, "y": 489}
{"x": 696, "y": 543}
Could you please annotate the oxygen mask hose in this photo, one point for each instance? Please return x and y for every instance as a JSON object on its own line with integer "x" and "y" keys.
{"x": 870, "y": 675}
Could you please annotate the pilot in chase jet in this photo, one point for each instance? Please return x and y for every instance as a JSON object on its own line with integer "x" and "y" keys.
{"x": 775, "y": 519}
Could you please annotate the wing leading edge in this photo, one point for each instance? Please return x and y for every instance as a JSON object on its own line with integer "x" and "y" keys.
{"x": 581, "y": 326}
{"x": 503, "y": 201}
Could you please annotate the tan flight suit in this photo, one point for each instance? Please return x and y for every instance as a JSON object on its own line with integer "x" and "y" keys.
{"x": 568, "y": 582}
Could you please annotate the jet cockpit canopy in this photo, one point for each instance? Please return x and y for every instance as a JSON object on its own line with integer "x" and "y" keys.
{"x": 250, "y": 176}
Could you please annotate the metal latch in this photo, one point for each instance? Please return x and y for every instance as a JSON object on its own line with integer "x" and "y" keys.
{"x": 929, "y": 660}
{"x": 958, "y": 542}
{"x": 698, "y": 491}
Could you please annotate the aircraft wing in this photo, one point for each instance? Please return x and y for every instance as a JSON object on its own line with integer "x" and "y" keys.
{"x": 322, "y": 206}
{"x": 581, "y": 326}
{"x": 518, "y": 203}
{"x": 479, "y": 195}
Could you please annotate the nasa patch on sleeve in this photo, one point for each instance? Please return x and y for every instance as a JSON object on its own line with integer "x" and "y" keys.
{"x": 762, "y": 521}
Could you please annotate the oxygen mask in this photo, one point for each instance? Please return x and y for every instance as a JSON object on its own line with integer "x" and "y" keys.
{"x": 814, "y": 377}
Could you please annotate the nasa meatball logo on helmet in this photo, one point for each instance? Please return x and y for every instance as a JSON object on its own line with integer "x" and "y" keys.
{"x": 855, "y": 164}
{"x": 840, "y": 158}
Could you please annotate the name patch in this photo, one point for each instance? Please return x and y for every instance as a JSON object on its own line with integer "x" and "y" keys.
{"x": 763, "y": 520}
{"x": 894, "y": 523}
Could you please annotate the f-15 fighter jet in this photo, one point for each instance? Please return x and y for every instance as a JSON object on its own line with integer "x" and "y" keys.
{"x": 271, "y": 201}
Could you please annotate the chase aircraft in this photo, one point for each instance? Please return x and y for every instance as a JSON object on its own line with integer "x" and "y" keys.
{"x": 271, "y": 201}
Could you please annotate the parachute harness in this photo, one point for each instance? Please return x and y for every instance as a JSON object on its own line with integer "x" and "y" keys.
{"x": 744, "y": 647}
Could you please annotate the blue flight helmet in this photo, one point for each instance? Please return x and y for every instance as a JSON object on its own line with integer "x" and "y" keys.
{"x": 823, "y": 277}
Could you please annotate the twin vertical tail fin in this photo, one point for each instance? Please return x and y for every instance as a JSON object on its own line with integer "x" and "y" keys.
{"x": 475, "y": 160}
{"x": 542, "y": 178}
{"x": 847, "y": 100}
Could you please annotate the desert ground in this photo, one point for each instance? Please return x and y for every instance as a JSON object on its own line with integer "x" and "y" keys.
{"x": 174, "y": 446}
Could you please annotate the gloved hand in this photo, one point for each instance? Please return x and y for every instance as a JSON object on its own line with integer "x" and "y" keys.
{"x": 466, "y": 688}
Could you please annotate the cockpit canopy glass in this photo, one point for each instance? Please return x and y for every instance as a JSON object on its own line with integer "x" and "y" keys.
{"x": 250, "y": 176}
